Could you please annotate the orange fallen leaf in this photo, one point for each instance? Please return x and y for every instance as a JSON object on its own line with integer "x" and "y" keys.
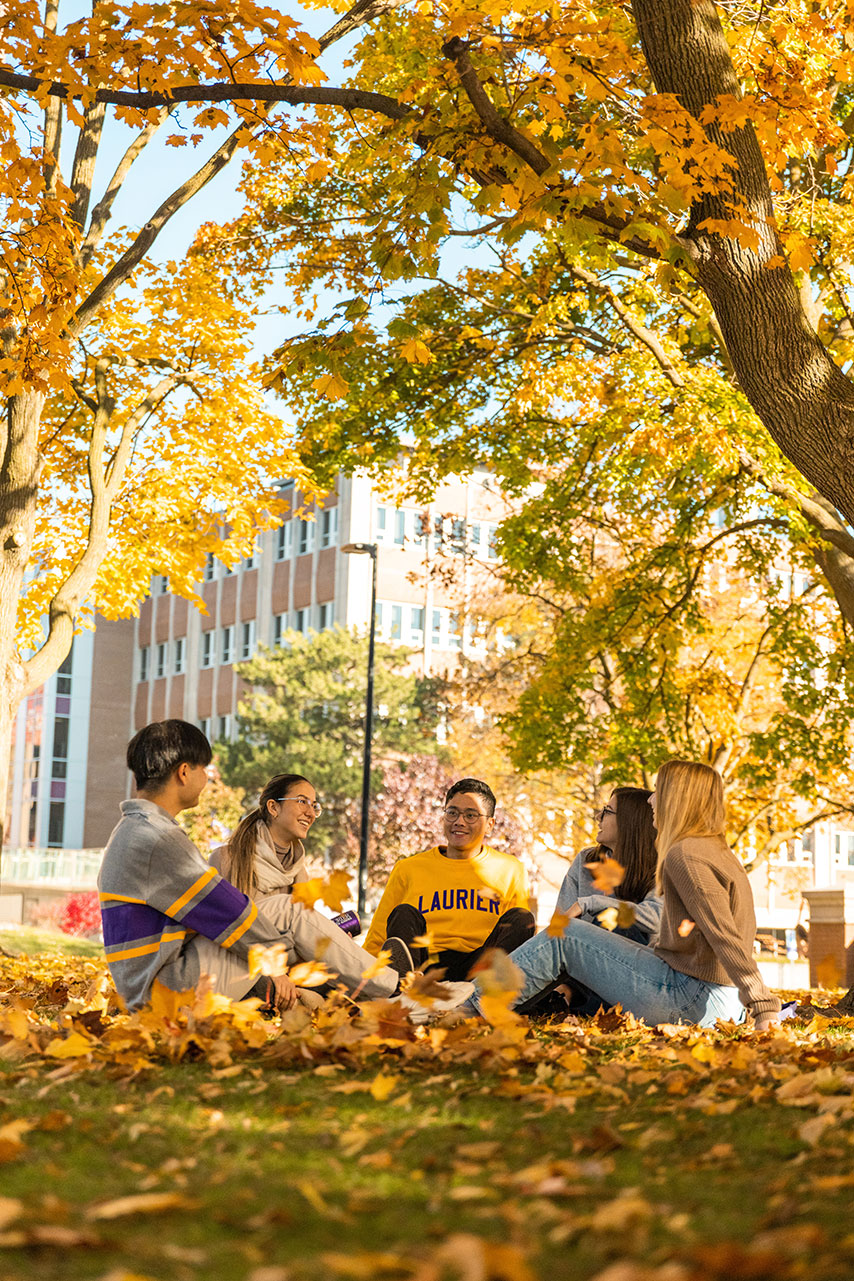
{"x": 308, "y": 892}
{"x": 557, "y": 925}
{"x": 684, "y": 928}
{"x": 607, "y": 874}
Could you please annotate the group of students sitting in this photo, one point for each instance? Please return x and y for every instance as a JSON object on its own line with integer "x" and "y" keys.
{"x": 683, "y": 954}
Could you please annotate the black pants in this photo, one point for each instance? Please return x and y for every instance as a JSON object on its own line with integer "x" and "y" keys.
{"x": 512, "y": 929}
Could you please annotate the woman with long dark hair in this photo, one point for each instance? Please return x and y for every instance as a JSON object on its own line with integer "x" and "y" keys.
{"x": 701, "y": 968}
{"x": 626, "y": 833}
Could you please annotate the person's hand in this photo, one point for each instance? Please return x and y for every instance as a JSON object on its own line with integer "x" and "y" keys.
{"x": 573, "y": 911}
{"x": 765, "y": 1021}
{"x": 284, "y": 993}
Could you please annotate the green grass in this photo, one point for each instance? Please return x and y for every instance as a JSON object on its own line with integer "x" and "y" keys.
{"x": 277, "y": 1169}
{"x": 27, "y": 941}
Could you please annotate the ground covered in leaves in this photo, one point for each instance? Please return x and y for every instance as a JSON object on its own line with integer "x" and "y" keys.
{"x": 196, "y": 1140}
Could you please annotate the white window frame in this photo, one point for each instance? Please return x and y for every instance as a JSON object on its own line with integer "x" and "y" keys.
{"x": 209, "y": 570}
{"x": 205, "y": 726}
{"x": 247, "y": 639}
{"x": 307, "y": 533}
{"x": 415, "y": 635}
{"x": 302, "y": 621}
{"x": 180, "y": 655}
{"x": 280, "y": 626}
{"x": 144, "y": 655}
{"x": 324, "y": 616}
{"x": 160, "y": 659}
{"x": 226, "y": 644}
{"x": 208, "y": 648}
{"x": 285, "y": 541}
{"x": 329, "y": 527}
{"x": 224, "y": 727}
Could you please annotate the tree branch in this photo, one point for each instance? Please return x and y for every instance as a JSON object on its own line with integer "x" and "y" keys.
{"x": 85, "y": 155}
{"x": 102, "y": 211}
{"x": 635, "y": 327}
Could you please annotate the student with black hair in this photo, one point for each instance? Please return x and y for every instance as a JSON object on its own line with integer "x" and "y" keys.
{"x": 169, "y": 915}
{"x": 466, "y": 895}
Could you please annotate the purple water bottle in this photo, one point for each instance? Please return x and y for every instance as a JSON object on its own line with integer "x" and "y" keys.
{"x": 349, "y": 922}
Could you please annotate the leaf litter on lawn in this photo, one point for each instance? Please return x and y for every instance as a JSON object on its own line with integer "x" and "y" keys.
{"x": 608, "y": 1118}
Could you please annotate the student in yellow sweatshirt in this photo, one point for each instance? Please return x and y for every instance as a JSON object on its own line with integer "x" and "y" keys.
{"x": 465, "y": 895}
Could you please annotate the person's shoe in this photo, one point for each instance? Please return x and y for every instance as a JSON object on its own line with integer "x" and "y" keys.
{"x": 401, "y": 957}
{"x": 458, "y": 994}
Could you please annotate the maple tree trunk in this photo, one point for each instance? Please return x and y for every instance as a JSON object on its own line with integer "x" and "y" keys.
{"x": 19, "y": 468}
{"x": 802, "y": 398}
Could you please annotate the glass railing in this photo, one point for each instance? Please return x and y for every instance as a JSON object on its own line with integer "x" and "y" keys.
{"x": 76, "y": 869}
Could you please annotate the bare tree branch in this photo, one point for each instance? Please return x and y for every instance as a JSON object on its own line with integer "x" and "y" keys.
{"x": 102, "y": 211}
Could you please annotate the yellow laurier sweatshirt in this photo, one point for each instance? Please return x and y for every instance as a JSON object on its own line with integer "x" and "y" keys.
{"x": 461, "y": 898}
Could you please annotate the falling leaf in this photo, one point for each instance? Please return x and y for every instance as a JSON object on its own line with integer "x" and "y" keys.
{"x": 336, "y": 888}
{"x": 557, "y": 925}
{"x": 428, "y": 988}
{"x": 270, "y": 961}
{"x": 608, "y": 918}
{"x": 684, "y": 928}
{"x": 626, "y": 915}
{"x": 607, "y": 874}
{"x": 309, "y": 974}
{"x": 308, "y": 892}
{"x": 427, "y": 940}
{"x": 69, "y": 1047}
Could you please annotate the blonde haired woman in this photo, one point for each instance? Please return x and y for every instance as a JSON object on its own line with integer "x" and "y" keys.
{"x": 701, "y": 968}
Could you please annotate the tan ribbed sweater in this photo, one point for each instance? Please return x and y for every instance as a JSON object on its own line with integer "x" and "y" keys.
{"x": 703, "y": 882}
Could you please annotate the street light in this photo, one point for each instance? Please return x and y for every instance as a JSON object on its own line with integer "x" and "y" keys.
{"x": 366, "y": 549}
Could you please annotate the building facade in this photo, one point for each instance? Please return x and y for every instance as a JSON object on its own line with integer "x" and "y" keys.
{"x": 175, "y": 661}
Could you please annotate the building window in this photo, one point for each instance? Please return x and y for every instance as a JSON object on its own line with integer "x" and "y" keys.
{"x": 63, "y": 675}
{"x": 476, "y": 538}
{"x": 438, "y": 530}
{"x": 329, "y": 527}
{"x": 209, "y": 570}
{"x": 455, "y": 632}
{"x": 247, "y": 639}
{"x": 160, "y": 665}
{"x": 180, "y": 655}
{"x": 227, "y": 649}
{"x": 306, "y": 537}
{"x": 396, "y": 622}
{"x": 223, "y": 728}
{"x": 382, "y": 524}
{"x": 416, "y": 626}
{"x": 161, "y": 585}
{"x": 324, "y": 616}
{"x": 436, "y": 634}
{"x": 285, "y": 541}
{"x": 205, "y": 726}
{"x": 250, "y": 561}
{"x": 207, "y": 649}
{"x": 301, "y": 621}
{"x": 843, "y": 846}
{"x": 492, "y": 550}
{"x": 458, "y": 537}
{"x": 422, "y": 528}
{"x": 143, "y": 663}
{"x": 280, "y": 626}
{"x": 55, "y": 822}
{"x": 399, "y": 527}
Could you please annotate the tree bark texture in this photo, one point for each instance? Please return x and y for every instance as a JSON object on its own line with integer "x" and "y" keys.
{"x": 800, "y": 395}
{"x": 19, "y": 468}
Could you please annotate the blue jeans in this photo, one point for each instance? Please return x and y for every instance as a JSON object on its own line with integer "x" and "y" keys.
{"x": 625, "y": 973}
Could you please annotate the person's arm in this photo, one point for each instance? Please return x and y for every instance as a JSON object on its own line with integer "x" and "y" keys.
{"x": 391, "y": 896}
{"x": 647, "y": 912}
{"x": 571, "y": 886}
{"x": 707, "y": 902}
{"x": 185, "y": 888}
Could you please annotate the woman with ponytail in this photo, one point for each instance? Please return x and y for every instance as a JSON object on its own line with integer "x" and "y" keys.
{"x": 265, "y": 854}
{"x": 701, "y": 968}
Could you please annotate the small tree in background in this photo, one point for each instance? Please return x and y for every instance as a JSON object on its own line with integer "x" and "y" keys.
{"x": 305, "y": 714}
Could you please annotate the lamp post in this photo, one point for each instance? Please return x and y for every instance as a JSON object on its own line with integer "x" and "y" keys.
{"x": 366, "y": 549}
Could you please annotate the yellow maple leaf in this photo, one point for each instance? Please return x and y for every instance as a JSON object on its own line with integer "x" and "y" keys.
{"x": 416, "y": 352}
{"x": 268, "y": 960}
{"x": 69, "y": 1047}
{"x": 332, "y": 386}
{"x": 308, "y": 892}
{"x": 626, "y": 915}
{"x": 310, "y": 974}
{"x": 557, "y": 925}
{"x": 336, "y": 888}
{"x": 382, "y": 1086}
{"x": 607, "y": 918}
{"x": 607, "y": 874}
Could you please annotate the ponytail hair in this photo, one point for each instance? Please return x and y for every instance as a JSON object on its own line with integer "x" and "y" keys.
{"x": 689, "y": 801}
{"x": 239, "y": 859}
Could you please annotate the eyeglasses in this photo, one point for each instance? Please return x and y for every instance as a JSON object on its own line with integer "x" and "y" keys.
{"x": 606, "y": 809}
{"x": 304, "y": 801}
{"x": 468, "y": 816}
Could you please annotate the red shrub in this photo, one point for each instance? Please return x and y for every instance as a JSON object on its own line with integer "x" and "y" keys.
{"x": 81, "y": 915}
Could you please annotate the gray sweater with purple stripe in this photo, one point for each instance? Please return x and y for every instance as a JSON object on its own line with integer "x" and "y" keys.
{"x": 156, "y": 892}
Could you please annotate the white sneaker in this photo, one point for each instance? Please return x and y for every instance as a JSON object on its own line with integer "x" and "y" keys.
{"x": 458, "y": 994}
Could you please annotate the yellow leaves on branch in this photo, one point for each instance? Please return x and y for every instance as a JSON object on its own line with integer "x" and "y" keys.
{"x": 332, "y": 386}
{"x": 415, "y": 352}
